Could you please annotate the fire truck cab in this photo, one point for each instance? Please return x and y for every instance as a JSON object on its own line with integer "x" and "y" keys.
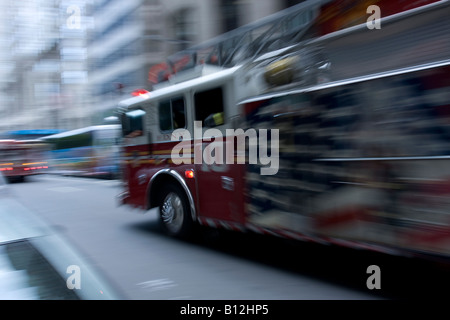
{"x": 206, "y": 94}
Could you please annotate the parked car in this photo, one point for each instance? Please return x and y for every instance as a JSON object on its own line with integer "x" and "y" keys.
{"x": 38, "y": 263}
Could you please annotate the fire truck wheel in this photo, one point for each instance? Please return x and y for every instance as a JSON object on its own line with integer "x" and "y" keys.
{"x": 174, "y": 212}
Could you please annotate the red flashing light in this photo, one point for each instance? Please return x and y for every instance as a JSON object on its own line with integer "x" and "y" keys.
{"x": 140, "y": 93}
{"x": 189, "y": 174}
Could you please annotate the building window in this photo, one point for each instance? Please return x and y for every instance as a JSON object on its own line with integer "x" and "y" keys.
{"x": 230, "y": 14}
{"x": 184, "y": 24}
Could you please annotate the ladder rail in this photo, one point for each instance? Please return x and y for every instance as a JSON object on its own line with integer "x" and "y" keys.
{"x": 254, "y": 39}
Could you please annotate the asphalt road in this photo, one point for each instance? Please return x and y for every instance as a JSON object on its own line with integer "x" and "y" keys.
{"x": 131, "y": 250}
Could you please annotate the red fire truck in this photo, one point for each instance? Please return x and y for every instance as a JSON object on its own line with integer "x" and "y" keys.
{"x": 21, "y": 158}
{"x": 357, "y": 120}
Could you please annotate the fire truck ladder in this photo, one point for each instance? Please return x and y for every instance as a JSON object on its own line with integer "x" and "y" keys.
{"x": 279, "y": 30}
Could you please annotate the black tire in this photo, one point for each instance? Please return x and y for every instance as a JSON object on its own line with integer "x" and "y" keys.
{"x": 16, "y": 179}
{"x": 174, "y": 212}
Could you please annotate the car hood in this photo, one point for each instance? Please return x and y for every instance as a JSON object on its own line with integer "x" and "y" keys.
{"x": 19, "y": 225}
{"x": 18, "y": 222}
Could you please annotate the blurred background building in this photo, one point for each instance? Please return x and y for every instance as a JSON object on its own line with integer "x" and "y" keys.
{"x": 66, "y": 64}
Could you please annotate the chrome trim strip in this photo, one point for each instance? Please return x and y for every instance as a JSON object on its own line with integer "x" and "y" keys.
{"x": 374, "y": 76}
{"x": 446, "y": 157}
{"x": 180, "y": 179}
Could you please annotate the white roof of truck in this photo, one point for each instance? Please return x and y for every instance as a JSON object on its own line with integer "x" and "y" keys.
{"x": 170, "y": 90}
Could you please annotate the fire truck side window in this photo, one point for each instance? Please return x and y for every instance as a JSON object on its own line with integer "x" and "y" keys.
{"x": 165, "y": 121}
{"x": 178, "y": 114}
{"x": 132, "y": 123}
{"x": 172, "y": 114}
{"x": 209, "y": 107}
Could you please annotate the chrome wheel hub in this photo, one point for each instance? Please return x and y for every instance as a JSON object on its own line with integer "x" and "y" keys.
{"x": 172, "y": 212}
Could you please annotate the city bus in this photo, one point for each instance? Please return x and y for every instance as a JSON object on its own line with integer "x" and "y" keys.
{"x": 28, "y": 134}
{"x": 90, "y": 151}
{"x": 358, "y": 124}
